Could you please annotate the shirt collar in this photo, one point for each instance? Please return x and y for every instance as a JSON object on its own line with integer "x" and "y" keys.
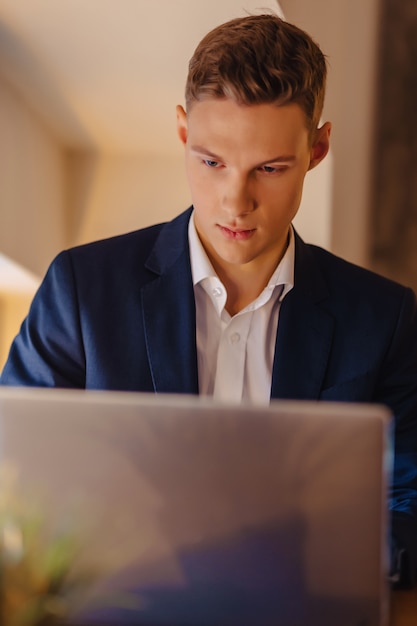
{"x": 201, "y": 267}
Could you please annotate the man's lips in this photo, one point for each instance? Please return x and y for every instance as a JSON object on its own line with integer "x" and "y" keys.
{"x": 236, "y": 234}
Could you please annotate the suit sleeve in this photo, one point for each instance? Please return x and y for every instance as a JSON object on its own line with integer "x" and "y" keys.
{"x": 398, "y": 390}
{"x": 48, "y": 351}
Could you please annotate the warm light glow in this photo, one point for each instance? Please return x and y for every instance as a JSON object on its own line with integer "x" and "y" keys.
{"x": 16, "y": 279}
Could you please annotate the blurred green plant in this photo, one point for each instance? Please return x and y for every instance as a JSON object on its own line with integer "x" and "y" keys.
{"x": 36, "y": 586}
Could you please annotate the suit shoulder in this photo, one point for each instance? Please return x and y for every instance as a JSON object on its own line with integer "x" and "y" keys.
{"x": 127, "y": 255}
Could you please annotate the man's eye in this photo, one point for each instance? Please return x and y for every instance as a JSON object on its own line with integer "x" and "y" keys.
{"x": 269, "y": 169}
{"x": 210, "y": 163}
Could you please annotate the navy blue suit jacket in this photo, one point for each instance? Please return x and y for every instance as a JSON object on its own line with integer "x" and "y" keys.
{"x": 120, "y": 314}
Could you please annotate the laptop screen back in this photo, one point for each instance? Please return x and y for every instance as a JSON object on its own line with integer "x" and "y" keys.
{"x": 187, "y": 513}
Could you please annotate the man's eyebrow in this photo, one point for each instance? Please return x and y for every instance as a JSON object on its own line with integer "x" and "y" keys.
{"x": 286, "y": 158}
{"x": 203, "y": 150}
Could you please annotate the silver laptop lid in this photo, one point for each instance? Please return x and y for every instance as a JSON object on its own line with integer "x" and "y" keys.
{"x": 188, "y": 513}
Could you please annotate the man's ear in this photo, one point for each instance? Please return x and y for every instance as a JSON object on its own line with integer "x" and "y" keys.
{"x": 182, "y": 127}
{"x": 321, "y": 144}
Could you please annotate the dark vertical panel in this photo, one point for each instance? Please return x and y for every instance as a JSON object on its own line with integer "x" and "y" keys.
{"x": 394, "y": 210}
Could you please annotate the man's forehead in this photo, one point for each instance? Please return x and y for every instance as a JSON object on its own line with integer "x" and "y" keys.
{"x": 220, "y": 124}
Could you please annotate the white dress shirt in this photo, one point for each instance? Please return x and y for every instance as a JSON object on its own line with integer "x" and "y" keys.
{"x": 235, "y": 354}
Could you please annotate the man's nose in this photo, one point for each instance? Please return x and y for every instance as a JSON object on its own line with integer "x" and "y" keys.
{"x": 238, "y": 196}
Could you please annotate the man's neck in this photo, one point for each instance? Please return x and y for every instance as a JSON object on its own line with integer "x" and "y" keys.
{"x": 244, "y": 283}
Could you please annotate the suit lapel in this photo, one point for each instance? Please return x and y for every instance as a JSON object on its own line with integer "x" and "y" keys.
{"x": 168, "y": 310}
{"x": 305, "y": 333}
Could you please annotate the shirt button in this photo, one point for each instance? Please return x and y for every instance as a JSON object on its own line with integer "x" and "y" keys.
{"x": 234, "y": 338}
{"x": 217, "y": 292}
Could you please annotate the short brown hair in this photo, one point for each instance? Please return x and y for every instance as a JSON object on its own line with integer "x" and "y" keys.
{"x": 259, "y": 59}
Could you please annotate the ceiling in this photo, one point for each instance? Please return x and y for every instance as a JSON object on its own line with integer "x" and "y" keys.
{"x": 107, "y": 74}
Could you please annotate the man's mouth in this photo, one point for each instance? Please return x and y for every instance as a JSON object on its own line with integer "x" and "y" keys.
{"x": 237, "y": 234}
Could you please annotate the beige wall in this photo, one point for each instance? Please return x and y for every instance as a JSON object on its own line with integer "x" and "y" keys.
{"x": 33, "y": 184}
{"x": 111, "y": 194}
{"x": 13, "y": 308}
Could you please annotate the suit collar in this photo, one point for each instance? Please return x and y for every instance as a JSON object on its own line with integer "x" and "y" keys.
{"x": 308, "y": 275}
{"x": 168, "y": 311}
{"x": 170, "y": 244}
{"x": 305, "y": 332}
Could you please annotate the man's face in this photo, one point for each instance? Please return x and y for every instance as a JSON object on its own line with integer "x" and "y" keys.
{"x": 246, "y": 167}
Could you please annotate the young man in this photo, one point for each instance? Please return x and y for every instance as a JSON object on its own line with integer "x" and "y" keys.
{"x": 227, "y": 300}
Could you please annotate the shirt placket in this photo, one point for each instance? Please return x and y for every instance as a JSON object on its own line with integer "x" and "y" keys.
{"x": 231, "y": 359}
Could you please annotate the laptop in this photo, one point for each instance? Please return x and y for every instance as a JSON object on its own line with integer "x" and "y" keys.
{"x": 174, "y": 510}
